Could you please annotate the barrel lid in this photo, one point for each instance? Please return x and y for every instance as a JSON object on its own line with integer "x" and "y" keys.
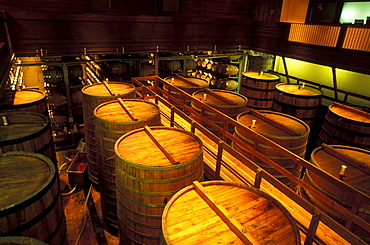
{"x": 137, "y": 148}
{"x": 23, "y": 175}
{"x": 112, "y": 111}
{"x": 257, "y": 76}
{"x": 350, "y": 113}
{"x": 296, "y": 89}
{"x": 189, "y": 219}
{"x": 99, "y": 89}
{"x": 332, "y": 165}
{"x": 27, "y": 96}
{"x": 270, "y": 130}
{"x": 238, "y": 99}
{"x": 180, "y": 83}
{"x": 21, "y": 125}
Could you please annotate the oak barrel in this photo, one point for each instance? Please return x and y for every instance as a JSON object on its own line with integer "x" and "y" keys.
{"x": 26, "y": 131}
{"x": 344, "y": 125}
{"x": 259, "y": 89}
{"x": 20, "y": 240}
{"x": 330, "y": 159}
{"x": 233, "y": 105}
{"x": 24, "y": 100}
{"x": 189, "y": 218}
{"x": 112, "y": 120}
{"x": 147, "y": 179}
{"x": 298, "y": 100}
{"x": 93, "y": 95}
{"x": 294, "y": 139}
{"x": 30, "y": 201}
{"x": 187, "y": 84}
{"x": 260, "y": 63}
{"x": 228, "y": 69}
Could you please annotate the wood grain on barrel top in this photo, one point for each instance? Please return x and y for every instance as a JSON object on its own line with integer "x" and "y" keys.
{"x": 137, "y": 147}
{"x": 188, "y": 219}
{"x": 21, "y": 124}
{"x": 98, "y": 89}
{"x": 21, "y": 177}
{"x": 21, "y": 97}
{"x": 256, "y": 75}
{"x": 113, "y": 112}
{"x": 350, "y": 113}
{"x": 211, "y": 100}
{"x": 297, "y": 89}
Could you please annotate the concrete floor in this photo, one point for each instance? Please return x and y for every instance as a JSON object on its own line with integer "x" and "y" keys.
{"x": 74, "y": 209}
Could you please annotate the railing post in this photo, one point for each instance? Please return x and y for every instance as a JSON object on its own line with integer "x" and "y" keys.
{"x": 312, "y": 228}
{"x": 219, "y": 158}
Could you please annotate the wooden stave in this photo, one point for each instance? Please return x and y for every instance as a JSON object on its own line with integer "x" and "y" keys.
{"x": 38, "y": 224}
{"x": 105, "y": 140}
{"x": 40, "y": 141}
{"x": 38, "y": 106}
{"x": 296, "y": 144}
{"x": 153, "y": 211}
{"x": 336, "y": 194}
{"x": 90, "y": 101}
{"x": 165, "y": 236}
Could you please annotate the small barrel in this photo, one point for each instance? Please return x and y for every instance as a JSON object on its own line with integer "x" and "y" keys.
{"x": 171, "y": 65}
{"x": 147, "y": 179}
{"x": 298, "y": 100}
{"x": 233, "y": 105}
{"x": 259, "y": 89}
{"x": 20, "y": 240}
{"x": 93, "y": 95}
{"x": 24, "y": 100}
{"x": 26, "y": 131}
{"x": 187, "y": 84}
{"x": 112, "y": 120}
{"x": 190, "y": 65}
{"x": 228, "y": 69}
{"x": 229, "y": 84}
{"x": 344, "y": 125}
{"x": 285, "y": 130}
{"x": 31, "y": 203}
{"x": 190, "y": 218}
{"x": 330, "y": 159}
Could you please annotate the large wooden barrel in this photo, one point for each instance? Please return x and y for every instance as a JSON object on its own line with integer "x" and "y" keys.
{"x": 147, "y": 179}
{"x": 30, "y": 202}
{"x": 260, "y": 63}
{"x": 298, "y": 100}
{"x": 190, "y": 218}
{"x": 227, "y": 102}
{"x": 24, "y": 100}
{"x": 330, "y": 159}
{"x": 285, "y": 130}
{"x": 93, "y": 95}
{"x": 26, "y": 131}
{"x": 20, "y": 240}
{"x": 112, "y": 120}
{"x": 344, "y": 125}
{"x": 188, "y": 84}
{"x": 259, "y": 89}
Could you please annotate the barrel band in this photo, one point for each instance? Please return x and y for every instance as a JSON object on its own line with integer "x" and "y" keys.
{"x": 35, "y": 220}
{"x": 345, "y": 119}
{"x": 297, "y": 95}
{"x": 27, "y": 137}
{"x": 258, "y": 89}
{"x": 57, "y": 230}
{"x": 121, "y": 205}
{"x": 339, "y": 128}
{"x": 43, "y": 149}
{"x": 134, "y": 221}
{"x": 342, "y": 141}
{"x": 140, "y": 203}
{"x": 295, "y": 106}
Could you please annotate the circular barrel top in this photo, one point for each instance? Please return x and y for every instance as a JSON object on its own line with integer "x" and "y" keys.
{"x": 21, "y": 124}
{"x": 269, "y": 128}
{"x": 237, "y": 100}
{"x": 350, "y": 113}
{"x": 99, "y": 89}
{"x": 12, "y": 99}
{"x": 189, "y": 219}
{"x": 136, "y": 147}
{"x": 257, "y": 76}
{"x": 179, "y": 82}
{"x": 298, "y": 90}
{"x": 20, "y": 240}
{"x": 23, "y": 175}
{"x": 332, "y": 164}
{"x": 112, "y": 111}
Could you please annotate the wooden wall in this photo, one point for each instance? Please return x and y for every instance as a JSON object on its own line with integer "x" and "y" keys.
{"x": 67, "y": 27}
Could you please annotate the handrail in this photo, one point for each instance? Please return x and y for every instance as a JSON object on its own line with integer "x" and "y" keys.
{"x": 153, "y": 92}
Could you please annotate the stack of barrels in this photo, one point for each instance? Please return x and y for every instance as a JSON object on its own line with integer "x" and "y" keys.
{"x": 28, "y": 166}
